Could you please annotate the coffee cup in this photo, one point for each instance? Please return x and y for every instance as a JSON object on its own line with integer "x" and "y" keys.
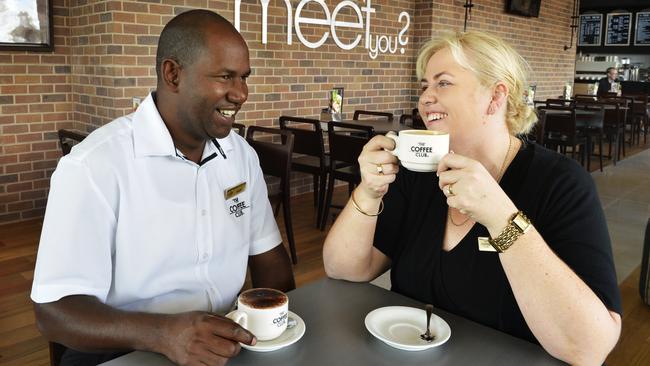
{"x": 420, "y": 150}
{"x": 263, "y": 312}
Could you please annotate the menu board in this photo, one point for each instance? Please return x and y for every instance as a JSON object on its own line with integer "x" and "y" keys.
{"x": 590, "y": 26}
{"x": 642, "y": 34}
{"x": 618, "y": 29}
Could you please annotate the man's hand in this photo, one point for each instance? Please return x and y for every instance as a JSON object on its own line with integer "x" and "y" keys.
{"x": 199, "y": 338}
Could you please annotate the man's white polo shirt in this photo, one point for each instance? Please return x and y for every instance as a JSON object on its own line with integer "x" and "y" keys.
{"x": 130, "y": 221}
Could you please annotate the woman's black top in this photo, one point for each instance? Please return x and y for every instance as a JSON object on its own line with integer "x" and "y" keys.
{"x": 556, "y": 193}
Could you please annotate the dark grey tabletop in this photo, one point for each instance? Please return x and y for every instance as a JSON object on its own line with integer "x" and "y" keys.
{"x": 334, "y": 313}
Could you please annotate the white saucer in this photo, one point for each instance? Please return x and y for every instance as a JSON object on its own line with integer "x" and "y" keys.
{"x": 289, "y": 337}
{"x": 401, "y": 326}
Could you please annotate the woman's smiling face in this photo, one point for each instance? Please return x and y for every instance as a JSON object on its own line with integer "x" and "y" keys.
{"x": 452, "y": 99}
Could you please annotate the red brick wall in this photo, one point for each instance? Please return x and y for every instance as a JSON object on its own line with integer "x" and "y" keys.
{"x": 105, "y": 52}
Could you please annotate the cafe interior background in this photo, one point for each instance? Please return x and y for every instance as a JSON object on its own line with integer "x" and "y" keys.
{"x": 100, "y": 64}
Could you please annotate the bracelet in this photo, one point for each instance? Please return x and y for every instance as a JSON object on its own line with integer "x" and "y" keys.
{"x": 354, "y": 203}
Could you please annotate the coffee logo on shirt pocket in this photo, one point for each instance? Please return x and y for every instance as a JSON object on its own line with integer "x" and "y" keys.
{"x": 238, "y": 208}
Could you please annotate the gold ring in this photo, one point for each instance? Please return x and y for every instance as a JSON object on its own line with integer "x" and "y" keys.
{"x": 449, "y": 190}
{"x": 380, "y": 169}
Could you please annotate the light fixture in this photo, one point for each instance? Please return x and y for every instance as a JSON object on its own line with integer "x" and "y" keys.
{"x": 468, "y": 13}
{"x": 574, "y": 24}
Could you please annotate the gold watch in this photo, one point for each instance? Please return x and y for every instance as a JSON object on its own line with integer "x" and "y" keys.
{"x": 517, "y": 225}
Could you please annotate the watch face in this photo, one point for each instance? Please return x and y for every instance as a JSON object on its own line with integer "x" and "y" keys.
{"x": 521, "y": 222}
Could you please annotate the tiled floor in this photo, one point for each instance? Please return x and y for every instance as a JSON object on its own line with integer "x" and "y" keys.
{"x": 624, "y": 191}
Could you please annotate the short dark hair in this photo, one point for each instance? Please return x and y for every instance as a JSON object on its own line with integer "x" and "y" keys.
{"x": 183, "y": 38}
{"x": 611, "y": 68}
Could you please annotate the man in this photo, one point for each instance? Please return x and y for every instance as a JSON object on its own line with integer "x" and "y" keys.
{"x": 152, "y": 220}
{"x": 605, "y": 84}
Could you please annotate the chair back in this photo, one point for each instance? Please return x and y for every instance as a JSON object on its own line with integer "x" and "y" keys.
{"x": 359, "y": 113}
{"x": 275, "y": 157}
{"x": 241, "y": 129}
{"x": 68, "y": 139}
{"x": 308, "y": 136}
{"x": 615, "y": 116}
{"x": 414, "y": 118}
{"x": 536, "y": 134}
{"x": 562, "y": 122}
{"x": 559, "y": 103}
{"x": 346, "y": 141}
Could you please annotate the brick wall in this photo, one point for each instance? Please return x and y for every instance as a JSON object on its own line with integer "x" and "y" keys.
{"x": 105, "y": 52}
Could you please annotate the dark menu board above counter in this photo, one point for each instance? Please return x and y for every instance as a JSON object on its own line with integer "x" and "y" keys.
{"x": 618, "y": 29}
{"x": 642, "y": 34}
{"x": 590, "y": 26}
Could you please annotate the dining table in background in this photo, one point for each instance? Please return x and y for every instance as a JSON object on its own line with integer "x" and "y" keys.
{"x": 334, "y": 313}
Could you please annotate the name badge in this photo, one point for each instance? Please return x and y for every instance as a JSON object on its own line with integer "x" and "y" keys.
{"x": 484, "y": 244}
{"x": 232, "y": 192}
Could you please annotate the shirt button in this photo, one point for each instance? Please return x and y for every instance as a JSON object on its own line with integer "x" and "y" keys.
{"x": 204, "y": 212}
{"x": 205, "y": 256}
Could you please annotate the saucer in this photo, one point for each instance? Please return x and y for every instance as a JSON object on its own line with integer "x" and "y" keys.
{"x": 287, "y": 338}
{"x": 401, "y": 326}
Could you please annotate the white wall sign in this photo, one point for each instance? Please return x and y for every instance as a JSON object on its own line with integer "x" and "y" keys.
{"x": 374, "y": 44}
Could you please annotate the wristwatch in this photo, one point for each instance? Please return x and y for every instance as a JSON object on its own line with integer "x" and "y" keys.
{"x": 517, "y": 225}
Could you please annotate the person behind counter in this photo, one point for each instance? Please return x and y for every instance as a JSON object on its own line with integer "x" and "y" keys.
{"x": 606, "y": 84}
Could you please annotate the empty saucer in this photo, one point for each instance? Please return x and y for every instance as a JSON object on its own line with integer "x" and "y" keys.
{"x": 401, "y": 327}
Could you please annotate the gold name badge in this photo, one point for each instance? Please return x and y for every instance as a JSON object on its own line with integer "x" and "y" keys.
{"x": 232, "y": 192}
{"x": 484, "y": 244}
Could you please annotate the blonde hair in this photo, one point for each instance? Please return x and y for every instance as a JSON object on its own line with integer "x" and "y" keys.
{"x": 492, "y": 60}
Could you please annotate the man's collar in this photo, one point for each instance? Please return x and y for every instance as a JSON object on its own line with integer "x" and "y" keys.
{"x": 151, "y": 136}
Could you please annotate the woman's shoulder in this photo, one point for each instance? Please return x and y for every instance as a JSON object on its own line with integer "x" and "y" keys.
{"x": 547, "y": 165}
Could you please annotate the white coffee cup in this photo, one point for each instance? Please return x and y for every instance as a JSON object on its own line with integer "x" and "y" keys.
{"x": 420, "y": 150}
{"x": 262, "y": 311}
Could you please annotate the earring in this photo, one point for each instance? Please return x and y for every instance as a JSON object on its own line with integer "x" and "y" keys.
{"x": 492, "y": 108}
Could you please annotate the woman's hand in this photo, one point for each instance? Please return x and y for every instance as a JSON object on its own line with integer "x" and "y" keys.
{"x": 378, "y": 167}
{"x": 471, "y": 189}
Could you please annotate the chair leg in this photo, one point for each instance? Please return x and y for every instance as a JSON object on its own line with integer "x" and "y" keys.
{"x": 328, "y": 201}
{"x": 286, "y": 210}
{"x": 315, "y": 186}
{"x": 600, "y": 151}
{"x": 322, "y": 181}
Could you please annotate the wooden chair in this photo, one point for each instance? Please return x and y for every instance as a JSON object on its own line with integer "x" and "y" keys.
{"x": 309, "y": 144}
{"x": 592, "y": 127}
{"x": 241, "y": 129}
{"x": 614, "y": 126}
{"x": 560, "y": 131}
{"x": 346, "y": 142}
{"x": 644, "y": 280}
{"x": 414, "y": 118}
{"x": 360, "y": 113}
{"x": 68, "y": 139}
{"x": 56, "y": 353}
{"x": 275, "y": 160}
{"x": 536, "y": 134}
{"x": 640, "y": 118}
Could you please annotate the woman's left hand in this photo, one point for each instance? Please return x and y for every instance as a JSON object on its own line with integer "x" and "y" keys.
{"x": 471, "y": 189}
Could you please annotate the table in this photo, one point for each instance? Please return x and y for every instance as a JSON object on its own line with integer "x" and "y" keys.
{"x": 334, "y": 313}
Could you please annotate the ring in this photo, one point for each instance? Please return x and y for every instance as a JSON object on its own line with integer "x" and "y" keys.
{"x": 449, "y": 190}
{"x": 380, "y": 169}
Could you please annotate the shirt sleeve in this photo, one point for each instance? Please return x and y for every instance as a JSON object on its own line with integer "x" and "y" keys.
{"x": 573, "y": 224}
{"x": 264, "y": 229}
{"x": 74, "y": 254}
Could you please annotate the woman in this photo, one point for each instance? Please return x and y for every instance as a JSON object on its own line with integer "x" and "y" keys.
{"x": 554, "y": 283}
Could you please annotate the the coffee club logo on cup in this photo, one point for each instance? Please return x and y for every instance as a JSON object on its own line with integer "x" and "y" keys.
{"x": 382, "y": 44}
{"x": 421, "y": 150}
{"x": 279, "y": 321}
